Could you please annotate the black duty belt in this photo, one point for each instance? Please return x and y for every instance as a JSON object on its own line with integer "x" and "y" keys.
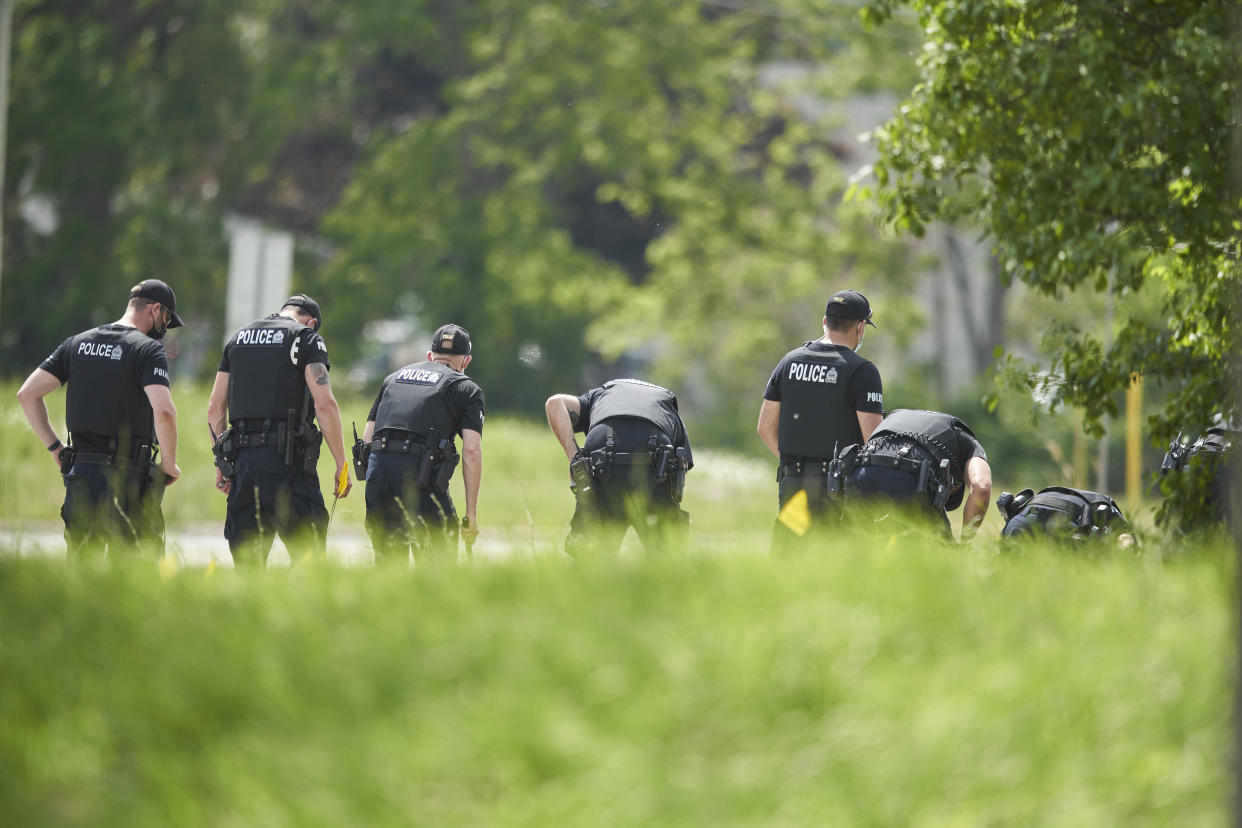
{"x": 891, "y": 461}
{"x": 256, "y": 439}
{"x": 799, "y": 468}
{"x": 94, "y": 458}
{"x": 407, "y": 444}
{"x": 633, "y": 458}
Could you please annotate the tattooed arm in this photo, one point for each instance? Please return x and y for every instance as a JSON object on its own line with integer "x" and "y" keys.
{"x": 328, "y": 413}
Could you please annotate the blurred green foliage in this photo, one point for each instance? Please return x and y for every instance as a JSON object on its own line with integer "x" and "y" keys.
{"x": 886, "y": 683}
{"x": 572, "y": 182}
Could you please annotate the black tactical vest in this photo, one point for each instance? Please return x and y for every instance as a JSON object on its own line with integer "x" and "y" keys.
{"x": 415, "y": 400}
{"x": 1074, "y": 511}
{"x": 635, "y": 398}
{"x": 816, "y": 416}
{"x": 105, "y": 394}
{"x": 931, "y": 430}
{"x": 265, "y": 378}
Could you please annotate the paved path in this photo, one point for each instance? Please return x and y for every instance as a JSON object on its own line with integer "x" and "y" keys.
{"x": 202, "y": 545}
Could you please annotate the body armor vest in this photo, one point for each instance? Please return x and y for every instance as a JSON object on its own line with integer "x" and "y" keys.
{"x": 815, "y": 415}
{"x": 415, "y": 400}
{"x": 931, "y": 430}
{"x": 265, "y": 378}
{"x": 1076, "y": 510}
{"x": 635, "y": 398}
{"x": 105, "y": 394}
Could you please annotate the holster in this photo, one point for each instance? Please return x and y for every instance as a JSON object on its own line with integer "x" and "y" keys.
{"x": 428, "y": 459}
{"x": 446, "y": 464}
{"x": 312, "y": 444}
{"x": 66, "y": 457}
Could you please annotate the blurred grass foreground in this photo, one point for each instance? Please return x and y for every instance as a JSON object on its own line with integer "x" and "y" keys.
{"x": 872, "y": 684}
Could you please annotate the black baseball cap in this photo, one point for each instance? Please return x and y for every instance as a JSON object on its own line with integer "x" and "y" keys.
{"x": 158, "y": 291}
{"x": 451, "y": 339}
{"x": 308, "y": 306}
{"x": 849, "y": 304}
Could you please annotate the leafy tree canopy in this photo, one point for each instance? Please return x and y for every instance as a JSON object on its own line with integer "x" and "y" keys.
{"x": 1093, "y": 141}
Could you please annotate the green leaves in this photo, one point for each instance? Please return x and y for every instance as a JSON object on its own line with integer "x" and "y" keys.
{"x": 1092, "y": 148}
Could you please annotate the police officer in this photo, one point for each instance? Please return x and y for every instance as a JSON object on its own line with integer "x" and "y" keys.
{"x": 821, "y": 398}
{"x": 121, "y": 418}
{"x": 271, "y": 387}
{"x": 631, "y": 468}
{"x": 409, "y": 441}
{"x": 1062, "y": 513}
{"x": 927, "y": 459}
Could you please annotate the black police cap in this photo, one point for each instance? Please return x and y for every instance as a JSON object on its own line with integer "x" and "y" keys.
{"x": 157, "y": 291}
{"x": 451, "y": 339}
{"x": 307, "y": 305}
{"x": 849, "y": 304}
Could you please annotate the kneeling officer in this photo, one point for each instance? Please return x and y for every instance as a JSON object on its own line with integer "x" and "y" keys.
{"x": 927, "y": 459}
{"x": 632, "y": 467}
{"x": 409, "y": 454}
{"x": 271, "y": 386}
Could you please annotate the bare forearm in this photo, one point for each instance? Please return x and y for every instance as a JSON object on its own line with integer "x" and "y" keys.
{"x": 217, "y": 421}
{"x": 166, "y": 433}
{"x": 562, "y": 425}
{"x": 472, "y": 477}
{"x": 36, "y": 413}
{"x": 329, "y": 415}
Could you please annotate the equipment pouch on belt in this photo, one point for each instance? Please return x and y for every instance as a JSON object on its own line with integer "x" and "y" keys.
{"x": 362, "y": 453}
{"x": 662, "y": 460}
{"x": 224, "y": 450}
{"x": 446, "y": 465}
{"x": 680, "y": 465}
{"x": 944, "y": 485}
{"x": 583, "y": 479}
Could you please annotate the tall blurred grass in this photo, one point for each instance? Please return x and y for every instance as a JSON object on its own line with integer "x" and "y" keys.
{"x": 889, "y": 681}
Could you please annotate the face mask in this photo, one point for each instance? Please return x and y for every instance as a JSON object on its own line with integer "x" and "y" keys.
{"x": 159, "y": 330}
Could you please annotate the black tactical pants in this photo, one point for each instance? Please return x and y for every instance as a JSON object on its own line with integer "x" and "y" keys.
{"x": 112, "y": 510}
{"x": 401, "y": 517}
{"x": 898, "y": 487}
{"x": 823, "y": 508}
{"x": 268, "y": 499}
{"x": 631, "y": 497}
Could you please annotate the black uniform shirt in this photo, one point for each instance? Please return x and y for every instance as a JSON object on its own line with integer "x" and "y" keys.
{"x": 266, "y": 362}
{"x": 630, "y": 433}
{"x": 310, "y": 349}
{"x": 464, "y": 400}
{"x": 95, "y": 406}
{"x": 863, "y": 392}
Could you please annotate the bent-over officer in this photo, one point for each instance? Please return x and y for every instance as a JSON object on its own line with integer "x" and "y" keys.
{"x": 409, "y": 453}
{"x": 122, "y": 425}
{"x": 270, "y": 389}
{"x": 821, "y": 398}
{"x": 929, "y": 460}
{"x": 631, "y": 469}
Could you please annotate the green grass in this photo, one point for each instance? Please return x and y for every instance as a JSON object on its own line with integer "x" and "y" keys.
{"x": 882, "y": 682}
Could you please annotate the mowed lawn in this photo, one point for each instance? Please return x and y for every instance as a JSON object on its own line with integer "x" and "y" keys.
{"x": 888, "y": 681}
